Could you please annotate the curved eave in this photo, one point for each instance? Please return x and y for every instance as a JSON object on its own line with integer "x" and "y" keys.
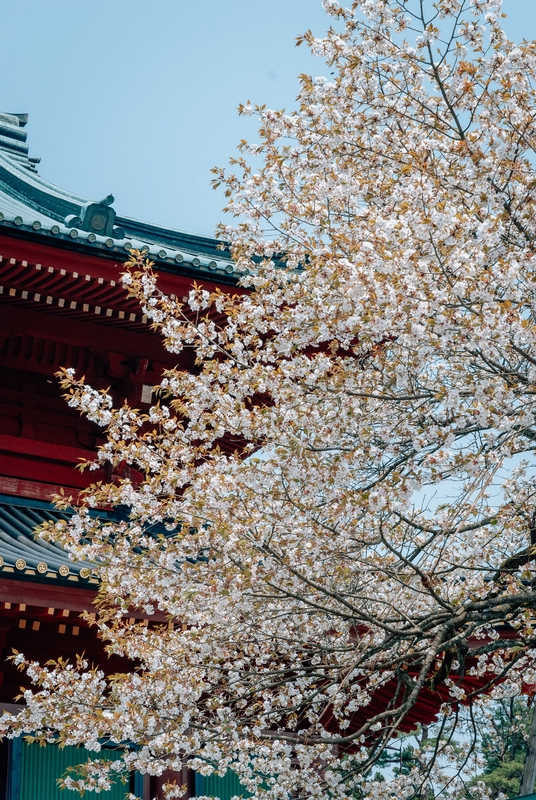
{"x": 24, "y": 556}
{"x": 30, "y": 206}
{"x": 190, "y": 264}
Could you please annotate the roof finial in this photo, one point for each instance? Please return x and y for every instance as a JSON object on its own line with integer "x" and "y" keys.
{"x": 95, "y": 218}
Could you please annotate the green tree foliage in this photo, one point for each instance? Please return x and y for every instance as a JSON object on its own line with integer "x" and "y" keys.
{"x": 504, "y": 746}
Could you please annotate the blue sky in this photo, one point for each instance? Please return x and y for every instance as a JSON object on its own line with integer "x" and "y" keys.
{"x": 139, "y": 97}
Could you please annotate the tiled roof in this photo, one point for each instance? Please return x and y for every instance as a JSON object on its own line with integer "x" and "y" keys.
{"x": 25, "y": 555}
{"x": 13, "y": 140}
{"x": 22, "y": 554}
{"x": 30, "y": 205}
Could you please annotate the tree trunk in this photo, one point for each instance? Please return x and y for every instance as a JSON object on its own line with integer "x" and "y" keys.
{"x": 529, "y": 769}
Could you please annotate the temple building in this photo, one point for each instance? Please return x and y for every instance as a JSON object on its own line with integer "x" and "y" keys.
{"x": 62, "y": 304}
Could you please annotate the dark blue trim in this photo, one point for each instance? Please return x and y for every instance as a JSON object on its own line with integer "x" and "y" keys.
{"x": 117, "y": 514}
{"x": 14, "y": 769}
{"x": 137, "y": 784}
{"x": 26, "y": 502}
{"x": 199, "y": 784}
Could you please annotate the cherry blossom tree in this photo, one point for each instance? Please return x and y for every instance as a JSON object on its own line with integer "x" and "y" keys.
{"x": 365, "y": 557}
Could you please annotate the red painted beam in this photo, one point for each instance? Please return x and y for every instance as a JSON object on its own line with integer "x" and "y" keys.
{"x": 106, "y": 267}
{"x": 36, "y": 490}
{"x": 33, "y": 469}
{"x": 50, "y": 595}
{"x": 48, "y": 450}
{"x": 33, "y": 593}
{"x": 56, "y": 328}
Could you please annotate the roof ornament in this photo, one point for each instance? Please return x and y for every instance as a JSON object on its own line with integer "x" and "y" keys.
{"x": 97, "y": 218}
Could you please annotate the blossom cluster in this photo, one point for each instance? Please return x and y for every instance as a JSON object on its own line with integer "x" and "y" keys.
{"x": 366, "y": 537}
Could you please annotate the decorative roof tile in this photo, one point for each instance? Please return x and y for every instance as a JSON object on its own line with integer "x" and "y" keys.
{"x": 22, "y": 554}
